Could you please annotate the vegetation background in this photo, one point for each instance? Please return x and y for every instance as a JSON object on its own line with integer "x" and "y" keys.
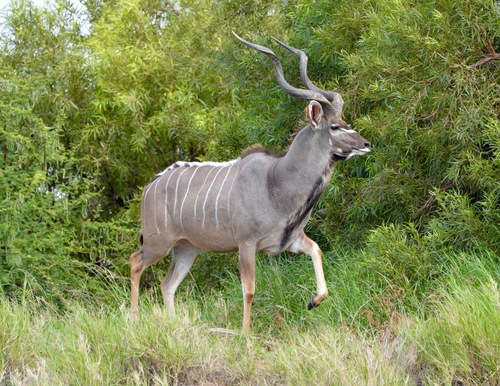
{"x": 98, "y": 96}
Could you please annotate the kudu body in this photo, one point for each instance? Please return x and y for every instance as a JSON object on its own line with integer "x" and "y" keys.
{"x": 256, "y": 203}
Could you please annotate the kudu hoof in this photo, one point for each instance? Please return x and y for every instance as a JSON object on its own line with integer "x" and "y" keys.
{"x": 311, "y": 304}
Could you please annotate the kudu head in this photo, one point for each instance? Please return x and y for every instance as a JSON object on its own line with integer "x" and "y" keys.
{"x": 324, "y": 112}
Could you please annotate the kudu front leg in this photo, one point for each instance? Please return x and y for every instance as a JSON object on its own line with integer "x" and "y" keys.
{"x": 304, "y": 244}
{"x": 247, "y": 274}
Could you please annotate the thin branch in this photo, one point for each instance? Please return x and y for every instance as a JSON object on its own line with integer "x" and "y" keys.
{"x": 492, "y": 56}
{"x": 486, "y": 60}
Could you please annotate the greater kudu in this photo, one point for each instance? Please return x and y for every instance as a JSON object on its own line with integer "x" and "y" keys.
{"x": 256, "y": 203}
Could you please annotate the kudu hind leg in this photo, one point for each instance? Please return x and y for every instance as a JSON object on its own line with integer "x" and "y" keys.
{"x": 136, "y": 270}
{"x": 182, "y": 260}
{"x": 139, "y": 261}
{"x": 304, "y": 244}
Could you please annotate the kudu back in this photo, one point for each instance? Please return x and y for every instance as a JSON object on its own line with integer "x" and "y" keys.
{"x": 256, "y": 203}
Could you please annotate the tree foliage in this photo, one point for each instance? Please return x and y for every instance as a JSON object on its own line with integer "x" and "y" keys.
{"x": 96, "y": 99}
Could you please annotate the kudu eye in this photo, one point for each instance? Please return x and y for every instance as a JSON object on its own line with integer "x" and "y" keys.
{"x": 334, "y": 127}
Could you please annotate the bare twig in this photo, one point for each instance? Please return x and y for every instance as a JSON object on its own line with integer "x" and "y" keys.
{"x": 492, "y": 56}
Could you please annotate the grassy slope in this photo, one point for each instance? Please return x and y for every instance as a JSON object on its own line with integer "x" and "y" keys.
{"x": 454, "y": 336}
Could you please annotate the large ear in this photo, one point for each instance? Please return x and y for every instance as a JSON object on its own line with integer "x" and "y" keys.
{"x": 314, "y": 113}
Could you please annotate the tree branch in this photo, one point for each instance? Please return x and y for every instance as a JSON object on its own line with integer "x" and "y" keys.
{"x": 492, "y": 56}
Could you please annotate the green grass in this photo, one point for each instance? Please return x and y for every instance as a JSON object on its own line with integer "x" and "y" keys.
{"x": 364, "y": 334}
{"x": 461, "y": 338}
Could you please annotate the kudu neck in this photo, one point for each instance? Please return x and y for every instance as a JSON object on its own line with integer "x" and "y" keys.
{"x": 307, "y": 160}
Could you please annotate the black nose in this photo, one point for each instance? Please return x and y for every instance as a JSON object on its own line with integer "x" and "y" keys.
{"x": 368, "y": 145}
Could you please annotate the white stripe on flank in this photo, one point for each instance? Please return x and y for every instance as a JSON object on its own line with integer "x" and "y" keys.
{"x": 144, "y": 195}
{"x": 201, "y": 190}
{"x": 166, "y": 197}
{"x": 146, "y": 192}
{"x": 177, "y": 188}
{"x": 154, "y": 206}
{"x": 218, "y": 195}
{"x": 206, "y": 197}
{"x": 185, "y": 196}
{"x": 156, "y": 222}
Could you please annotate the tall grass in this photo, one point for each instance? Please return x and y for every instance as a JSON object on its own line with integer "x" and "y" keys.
{"x": 460, "y": 341}
{"x": 92, "y": 346}
{"x": 363, "y": 334}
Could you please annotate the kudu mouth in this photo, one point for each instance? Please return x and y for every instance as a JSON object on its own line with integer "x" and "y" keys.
{"x": 339, "y": 155}
{"x": 355, "y": 151}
